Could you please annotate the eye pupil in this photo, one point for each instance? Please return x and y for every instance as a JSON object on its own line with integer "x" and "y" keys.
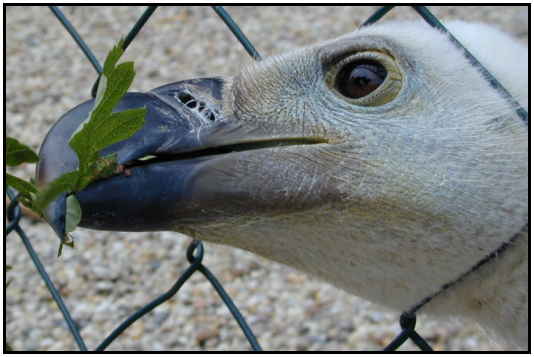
{"x": 360, "y": 78}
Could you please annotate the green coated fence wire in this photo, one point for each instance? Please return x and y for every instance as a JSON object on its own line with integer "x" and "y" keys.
{"x": 14, "y": 215}
{"x": 129, "y": 38}
{"x": 232, "y": 26}
{"x": 138, "y": 26}
{"x": 378, "y": 15}
{"x": 196, "y": 265}
{"x": 77, "y": 38}
{"x": 434, "y": 22}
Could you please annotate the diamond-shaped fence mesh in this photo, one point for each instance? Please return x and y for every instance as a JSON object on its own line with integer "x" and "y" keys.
{"x": 195, "y": 252}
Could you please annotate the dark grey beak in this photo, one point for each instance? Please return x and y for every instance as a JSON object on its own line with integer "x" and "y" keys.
{"x": 182, "y": 117}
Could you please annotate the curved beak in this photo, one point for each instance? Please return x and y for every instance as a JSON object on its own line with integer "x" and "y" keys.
{"x": 182, "y": 117}
{"x": 184, "y": 166}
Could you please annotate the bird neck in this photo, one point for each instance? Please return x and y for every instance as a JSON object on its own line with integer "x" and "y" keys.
{"x": 495, "y": 294}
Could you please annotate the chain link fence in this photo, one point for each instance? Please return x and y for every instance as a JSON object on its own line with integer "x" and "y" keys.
{"x": 195, "y": 251}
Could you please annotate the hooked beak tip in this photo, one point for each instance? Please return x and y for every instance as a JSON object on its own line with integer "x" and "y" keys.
{"x": 55, "y": 215}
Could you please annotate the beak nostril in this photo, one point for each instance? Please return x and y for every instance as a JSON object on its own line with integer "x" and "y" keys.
{"x": 185, "y": 97}
{"x": 201, "y": 107}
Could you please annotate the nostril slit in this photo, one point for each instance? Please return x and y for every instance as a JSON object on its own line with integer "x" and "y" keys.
{"x": 185, "y": 97}
{"x": 192, "y": 103}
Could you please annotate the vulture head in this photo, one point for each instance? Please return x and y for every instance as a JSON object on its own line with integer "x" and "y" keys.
{"x": 380, "y": 161}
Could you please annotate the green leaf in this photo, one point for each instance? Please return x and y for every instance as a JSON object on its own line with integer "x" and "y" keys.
{"x": 99, "y": 130}
{"x": 17, "y": 153}
{"x": 78, "y": 140}
{"x": 116, "y": 84}
{"x": 105, "y": 128}
{"x": 120, "y": 126}
{"x": 100, "y": 90}
{"x": 64, "y": 183}
{"x": 113, "y": 57}
{"x": 24, "y": 187}
{"x": 73, "y": 215}
{"x": 83, "y": 141}
{"x": 103, "y": 167}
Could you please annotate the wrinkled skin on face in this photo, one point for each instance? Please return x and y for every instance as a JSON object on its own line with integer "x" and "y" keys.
{"x": 386, "y": 201}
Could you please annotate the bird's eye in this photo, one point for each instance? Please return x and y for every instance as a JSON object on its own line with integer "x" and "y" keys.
{"x": 360, "y": 78}
{"x": 367, "y": 78}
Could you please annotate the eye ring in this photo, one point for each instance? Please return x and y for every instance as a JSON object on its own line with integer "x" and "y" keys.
{"x": 367, "y": 78}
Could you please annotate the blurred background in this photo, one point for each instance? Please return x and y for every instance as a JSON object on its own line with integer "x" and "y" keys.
{"x": 110, "y": 275}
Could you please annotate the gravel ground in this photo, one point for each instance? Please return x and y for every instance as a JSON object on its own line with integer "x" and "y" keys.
{"x": 110, "y": 275}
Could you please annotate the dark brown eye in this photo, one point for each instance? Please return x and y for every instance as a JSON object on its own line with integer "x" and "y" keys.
{"x": 360, "y": 78}
{"x": 366, "y": 79}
